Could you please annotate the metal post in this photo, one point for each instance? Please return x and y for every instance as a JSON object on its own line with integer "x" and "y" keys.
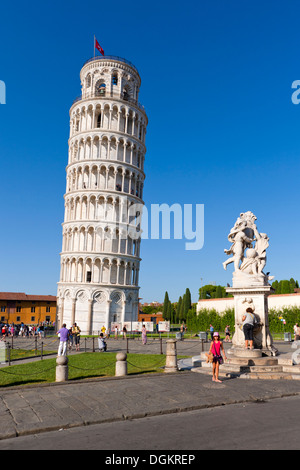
{"x": 160, "y": 340}
{"x": 42, "y": 349}
{"x": 93, "y": 344}
{"x": 127, "y": 345}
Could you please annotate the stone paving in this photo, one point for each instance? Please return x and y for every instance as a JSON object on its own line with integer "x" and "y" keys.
{"x": 39, "y": 408}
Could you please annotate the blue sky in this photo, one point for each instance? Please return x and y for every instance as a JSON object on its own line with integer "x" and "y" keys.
{"x": 223, "y": 131}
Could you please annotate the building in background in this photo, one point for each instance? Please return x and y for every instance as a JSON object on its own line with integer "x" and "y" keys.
{"x": 17, "y": 307}
{"x": 275, "y": 301}
{"x": 100, "y": 258}
{"x": 150, "y": 317}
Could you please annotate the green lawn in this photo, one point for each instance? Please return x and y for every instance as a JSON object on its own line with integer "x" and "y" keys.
{"x": 81, "y": 366}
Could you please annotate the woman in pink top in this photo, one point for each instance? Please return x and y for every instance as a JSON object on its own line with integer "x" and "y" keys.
{"x": 215, "y": 349}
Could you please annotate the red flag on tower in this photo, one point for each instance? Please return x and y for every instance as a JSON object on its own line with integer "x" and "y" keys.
{"x": 97, "y": 46}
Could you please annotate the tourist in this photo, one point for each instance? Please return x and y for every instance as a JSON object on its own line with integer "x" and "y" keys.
{"x": 116, "y": 331}
{"x": 63, "y": 334}
{"x": 144, "y": 335}
{"x": 215, "y": 349}
{"x": 227, "y": 333}
{"x": 76, "y": 335}
{"x": 248, "y": 325}
{"x": 101, "y": 343}
{"x": 124, "y": 332}
{"x": 103, "y": 330}
{"x": 211, "y": 329}
{"x": 12, "y": 330}
{"x": 70, "y": 339}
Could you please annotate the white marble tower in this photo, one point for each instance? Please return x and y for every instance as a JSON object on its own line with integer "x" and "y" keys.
{"x": 100, "y": 258}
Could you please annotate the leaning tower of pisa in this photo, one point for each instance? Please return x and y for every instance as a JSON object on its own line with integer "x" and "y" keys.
{"x": 100, "y": 258}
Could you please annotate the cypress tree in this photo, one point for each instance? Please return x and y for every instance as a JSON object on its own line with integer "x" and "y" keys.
{"x": 292, "y": 285}
{"x": 178, "y": 310}
{"x": 219, "y": 292}
{"x": 166, "y": 306}
{"x": 285, "y": 287}
{"x": 170, "y": 312}
{"x": 187, "y": 302}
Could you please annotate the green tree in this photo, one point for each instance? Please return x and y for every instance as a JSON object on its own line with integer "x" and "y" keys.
{"x": 187, "y": 302}
{"x": 212, "y": 292}
{"x": 219, "y": 292}
{"x": 292, "y": 285}
{"x": 285, "y": 287}
{"x": 170, "y": 312}
{"x": 166, "y": 307}
{"x": 182, "y": 309}
{"x": 178, "y": 309}
{"x": 275, "y": 286}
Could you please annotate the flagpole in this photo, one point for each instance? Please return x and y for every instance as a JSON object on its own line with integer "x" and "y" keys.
{"x": 94, "y": 46}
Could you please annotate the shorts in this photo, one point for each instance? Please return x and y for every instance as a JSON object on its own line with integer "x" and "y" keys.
{"x": 248, "y": 332}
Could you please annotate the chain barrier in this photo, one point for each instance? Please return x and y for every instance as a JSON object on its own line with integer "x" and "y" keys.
{"x": 98, "y": 368}
{"x": 42, "y": 345}
{"x": 196, "y": 345}
{"x": 148, "y": 367}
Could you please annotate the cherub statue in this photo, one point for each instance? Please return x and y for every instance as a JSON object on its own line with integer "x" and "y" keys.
{"x": 240, "y": 242}
{"x": 242, "y": 235}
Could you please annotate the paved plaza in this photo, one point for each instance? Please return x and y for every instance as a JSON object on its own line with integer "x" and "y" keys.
{"x": 33, "y": 409}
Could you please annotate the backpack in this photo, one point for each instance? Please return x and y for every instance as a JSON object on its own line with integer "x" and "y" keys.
{"x": 255, "y": 321}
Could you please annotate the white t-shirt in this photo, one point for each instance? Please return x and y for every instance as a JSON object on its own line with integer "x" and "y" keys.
{"x": 249, "y": 318}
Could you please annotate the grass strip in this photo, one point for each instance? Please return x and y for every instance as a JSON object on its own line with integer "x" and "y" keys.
{"x": 81, "y": 366}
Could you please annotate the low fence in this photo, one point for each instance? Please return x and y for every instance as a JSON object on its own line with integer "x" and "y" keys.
{"x": 32, "y": 349}
{"x": 26, "y": 347}
{"x": 166, "y": 352}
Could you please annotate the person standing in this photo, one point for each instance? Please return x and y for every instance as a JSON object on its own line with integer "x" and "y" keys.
{"x": 215, "y": 349}
{"x": 76, "y": 335}
{"x": 124, "y": 332}
{"x": 101, "y": 343}
{"x": 70, "y": 339}
{"x": 227, "y": 333}
{"x": 248, "y": 325}
{"x": 63, "y": 334}
{"x": 144, "y": 335}
{"x": 211, "y": 329}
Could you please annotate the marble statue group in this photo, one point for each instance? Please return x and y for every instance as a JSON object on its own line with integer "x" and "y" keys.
{"x": 248, "y": 247}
